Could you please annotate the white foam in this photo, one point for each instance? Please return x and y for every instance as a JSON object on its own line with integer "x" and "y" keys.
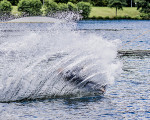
{"x": 31, "y": 61}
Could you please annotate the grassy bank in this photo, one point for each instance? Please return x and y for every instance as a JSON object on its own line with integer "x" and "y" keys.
{"x": 15, "y": 11}
{"x": 105, "y": 13}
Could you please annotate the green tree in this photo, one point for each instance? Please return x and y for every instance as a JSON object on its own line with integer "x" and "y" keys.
{"x": 143, "y": 6}
{"x": 61, "y": 1}
{"x": 118, "y": 4}
{"x": 85, "y": 8}
{"x": 65, "y": 1}
{"x": 50, "y": 7}
{"x": 71, "y": 6}
{"x": 31, "y": 7}
{"x": 5, "y": 7}
{"x": 129, "y": 2}
{"x": 62, "y": 7}
{"x": 14, "y": 2}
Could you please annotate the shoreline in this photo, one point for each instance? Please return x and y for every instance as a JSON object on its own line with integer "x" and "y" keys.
{"x": 105, "y": 13}
{"x": 115, "y": 19}
{"x": 90, "y": 19}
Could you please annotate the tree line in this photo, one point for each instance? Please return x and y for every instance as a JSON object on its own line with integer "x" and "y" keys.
{"x": 100, "y": 3}
{"x": 36, "y": 7}
{"x": 49, "y": 8}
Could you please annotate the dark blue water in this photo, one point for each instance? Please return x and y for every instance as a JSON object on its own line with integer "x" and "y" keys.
{"x": 133, "y": 34}
{"x": 127, "y": 98}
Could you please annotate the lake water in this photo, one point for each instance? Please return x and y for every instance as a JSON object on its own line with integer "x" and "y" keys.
{"x": 126, "y": 97}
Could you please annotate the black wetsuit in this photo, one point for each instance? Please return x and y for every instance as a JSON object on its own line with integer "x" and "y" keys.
{"x": 75, "y": 77}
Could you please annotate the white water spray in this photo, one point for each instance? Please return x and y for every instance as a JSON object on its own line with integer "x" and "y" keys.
{"x": 30, "y": 63}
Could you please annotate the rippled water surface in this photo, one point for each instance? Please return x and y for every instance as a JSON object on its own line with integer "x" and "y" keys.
{"x": 128, "y": 97}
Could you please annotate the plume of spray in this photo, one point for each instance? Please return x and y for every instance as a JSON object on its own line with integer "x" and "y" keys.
{"x": 30, "y": 64}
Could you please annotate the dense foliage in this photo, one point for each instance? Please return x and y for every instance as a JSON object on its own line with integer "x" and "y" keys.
{"x": 62, "y": 7}
{"x": 5, "y": 7}
{"x": 144, "y": 7}
{"x": 93, "y": 2}
{"x": 50, "y": 7}
{"x": 118, "y": 4}
{"x": 64, "y": 1}
{"x": 14, "y": 2}
{"x": 131, "y": 3}
{"x": 84, "y": 8}
{"x": 72, "y": 7}
{"x": 30, "y": 7}
{"x": 33, "y": 7}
